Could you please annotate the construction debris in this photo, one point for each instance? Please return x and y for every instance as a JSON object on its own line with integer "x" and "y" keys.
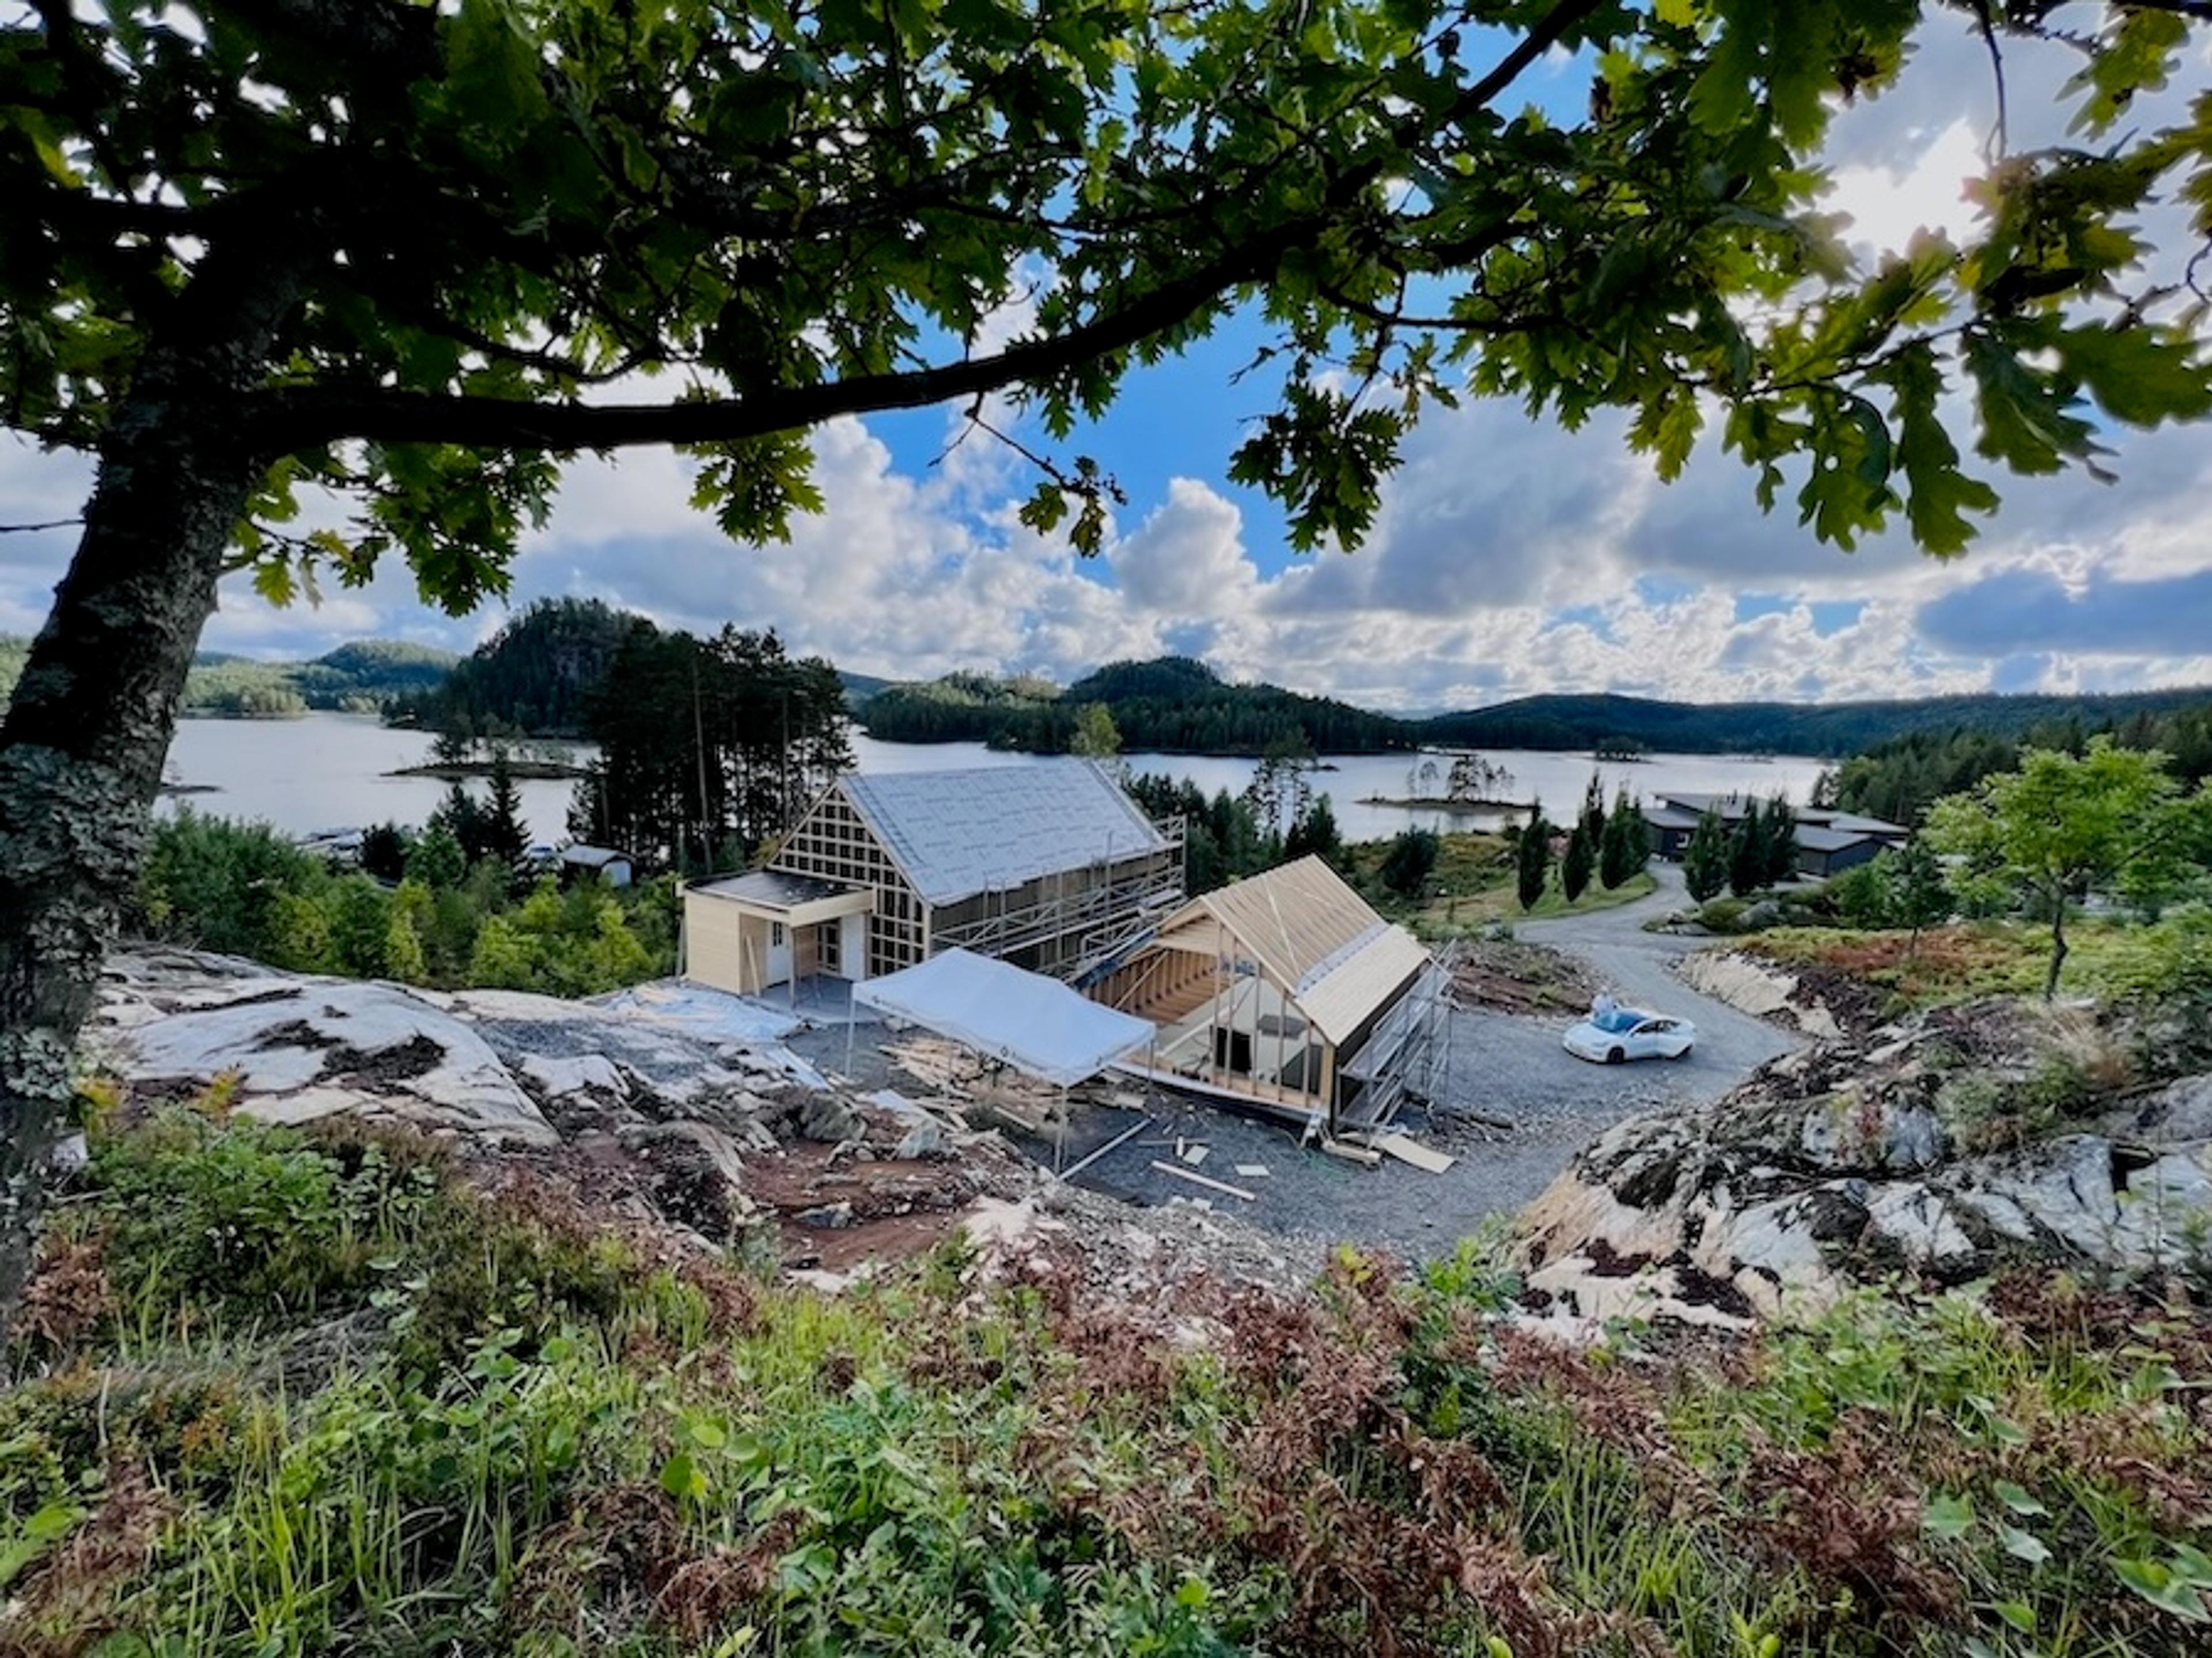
{"x": 1413, "y": 1151}
{"x": 1193, "y": 1155}
{"x": 1365, "y": 1155}
{"x": 1207, "y": 1180}
{"x": 1251, "y": 1171}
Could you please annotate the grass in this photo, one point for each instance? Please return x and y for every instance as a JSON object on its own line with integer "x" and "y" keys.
{"x": 1474, "y": 885}
{"x": 393, "y": 1418}
{"x": 1503, "y": 903}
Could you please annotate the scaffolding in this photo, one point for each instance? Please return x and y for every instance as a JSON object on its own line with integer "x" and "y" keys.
{"x": 1400, "y": 1062}
{"x": 1074, "y": 921}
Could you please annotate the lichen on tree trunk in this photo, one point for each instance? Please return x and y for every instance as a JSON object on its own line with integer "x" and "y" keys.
{"x": 85, "y": 737}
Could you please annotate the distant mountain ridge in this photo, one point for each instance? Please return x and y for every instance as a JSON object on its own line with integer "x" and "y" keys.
{"x": 359, "y": 678}
{"x": 1176, "y": 705}
{"x": 1556, "y": 720}
{"x": 535, "y": 674}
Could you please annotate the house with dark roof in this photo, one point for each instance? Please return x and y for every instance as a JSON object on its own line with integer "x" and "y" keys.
{"x": 1829, "y": 841}
{"x": 1050, "y": 866}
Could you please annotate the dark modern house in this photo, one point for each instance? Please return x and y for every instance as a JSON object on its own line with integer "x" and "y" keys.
{"x": 1829, "y": 841}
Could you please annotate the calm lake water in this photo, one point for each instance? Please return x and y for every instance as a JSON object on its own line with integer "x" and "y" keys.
{"x": 326, "y": 771}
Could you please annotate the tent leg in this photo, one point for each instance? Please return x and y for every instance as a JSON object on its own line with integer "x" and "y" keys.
{"x": 852, "y": 1018}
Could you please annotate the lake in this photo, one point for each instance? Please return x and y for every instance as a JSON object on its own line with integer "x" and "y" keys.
{"x": 326, "y": 771}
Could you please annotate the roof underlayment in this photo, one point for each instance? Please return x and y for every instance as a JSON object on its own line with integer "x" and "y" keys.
{"x": 991, "y": 828}
{"x": 1312, "y": 934}
{"x": 1032, "y": 1022}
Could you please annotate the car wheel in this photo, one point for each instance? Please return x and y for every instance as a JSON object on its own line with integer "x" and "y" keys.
{"x": 1615, "y": 1056}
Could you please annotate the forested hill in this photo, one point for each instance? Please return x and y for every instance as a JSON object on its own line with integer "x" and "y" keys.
{"x": 1897, "y": 780}
{"x": 536, "y": 674}
{"x": 360, "y": 678}
{"x": 1838, "y": 729}
{"x": 1171, "y": 704}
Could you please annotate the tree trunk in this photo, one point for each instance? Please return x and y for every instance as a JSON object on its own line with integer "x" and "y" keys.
{"x": 2058, "y": 944}
{"x": 82, "y": 746}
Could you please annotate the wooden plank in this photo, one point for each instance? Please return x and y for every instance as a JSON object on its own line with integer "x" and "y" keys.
{"x": 1251, "y": 1171}
{"x": 1365, "y": 1156}
{"x": 1414, "y": 1152}
{"x": 1193, "y": 1155}
{"x": 1207, "y": 1180}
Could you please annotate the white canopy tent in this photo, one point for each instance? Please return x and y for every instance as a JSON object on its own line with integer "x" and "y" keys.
{"x": 1034, "y": 1024}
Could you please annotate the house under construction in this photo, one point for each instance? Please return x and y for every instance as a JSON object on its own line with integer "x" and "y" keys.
{"x": 1287, "y": 992}
{"x": 1050, "y": 866}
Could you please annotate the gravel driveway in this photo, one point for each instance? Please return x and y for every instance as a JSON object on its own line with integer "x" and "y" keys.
{"x": 1504, "y": 1066}
{"x": 1514, "y": 1106}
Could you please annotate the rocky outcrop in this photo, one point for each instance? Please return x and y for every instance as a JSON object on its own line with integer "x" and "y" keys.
{"x": 491, "y": 1064}
{"x": 666, "y": 1106}
{"x": 1940, "y": 1147}
{"x": 1760, "y": 988}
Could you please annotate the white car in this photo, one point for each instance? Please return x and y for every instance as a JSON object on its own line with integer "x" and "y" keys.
{"x": 1624, "y": 1034}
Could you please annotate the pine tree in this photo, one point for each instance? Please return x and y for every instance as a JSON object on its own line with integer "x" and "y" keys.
{"x": 1404, "y": 868}
{"x": 1640, "y": 839}
{"x": 1535, "y": 856}
{"x": 1705, "y": 859}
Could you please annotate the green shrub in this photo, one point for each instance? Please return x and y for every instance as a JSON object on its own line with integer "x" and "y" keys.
{"x": 242, "y": 1220}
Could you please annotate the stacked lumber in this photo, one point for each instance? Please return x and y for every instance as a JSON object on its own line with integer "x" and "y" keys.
{"x": 975, "y": 1084}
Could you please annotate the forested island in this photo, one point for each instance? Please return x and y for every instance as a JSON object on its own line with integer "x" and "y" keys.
{"x": 1172, "y": 705}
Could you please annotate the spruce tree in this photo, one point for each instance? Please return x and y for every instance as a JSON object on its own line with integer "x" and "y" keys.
{"x": 1640, "y": 839}
{"x": 1705, "y": 860}
{"x": 1592, "y": 812}
{"x": 1535, "y": 855}
{"x": 1747, "y": 852}
{"x": 1616, "y": 847}
{"x": 506, "y": 837}
{"x": 1580, "y": 859}
{"x": 1781, "y": 836}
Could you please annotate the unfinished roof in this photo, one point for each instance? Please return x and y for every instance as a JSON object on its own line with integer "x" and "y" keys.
{"x": 1313, "y": 935}
{"x": 987, "y": 828}
{"x": 773, "y": 888}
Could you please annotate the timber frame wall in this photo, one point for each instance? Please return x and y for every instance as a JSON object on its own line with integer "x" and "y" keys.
{"x": 832, "y": 843}
{"x": 1057, "y": 923}
{"x": 1361, "y": 1083}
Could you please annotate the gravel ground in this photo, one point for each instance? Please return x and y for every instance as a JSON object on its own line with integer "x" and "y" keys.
{"x": 1507, "y": 1069}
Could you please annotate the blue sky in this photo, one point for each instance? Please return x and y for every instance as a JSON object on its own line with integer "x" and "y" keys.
{"x": 1509, "y": 558}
